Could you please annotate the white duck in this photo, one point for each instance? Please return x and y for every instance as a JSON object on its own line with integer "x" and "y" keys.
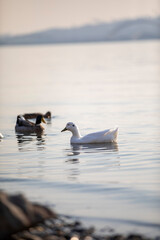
{"x": 109, "y": 135}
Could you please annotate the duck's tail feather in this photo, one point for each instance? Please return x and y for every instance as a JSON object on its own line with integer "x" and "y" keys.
{"x": 113, "y": 134}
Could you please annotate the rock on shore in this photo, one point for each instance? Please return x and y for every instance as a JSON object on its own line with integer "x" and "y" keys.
{"x": 17, "y": 214}
{"x": 23, "y": 220}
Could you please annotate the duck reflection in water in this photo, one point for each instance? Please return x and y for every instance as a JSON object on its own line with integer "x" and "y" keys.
{"x": 73, "y": 170}
{"x": 94, "y": 147}
{"x": 28, "y": 142}
{"x": 76, "y": 149}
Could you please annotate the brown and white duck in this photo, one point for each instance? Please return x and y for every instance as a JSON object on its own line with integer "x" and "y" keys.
{"x": 25, "y": 126}
{"x": 34, "y": 115}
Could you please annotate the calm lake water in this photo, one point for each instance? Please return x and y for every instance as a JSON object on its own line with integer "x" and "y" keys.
{"x": 97, "y": 86}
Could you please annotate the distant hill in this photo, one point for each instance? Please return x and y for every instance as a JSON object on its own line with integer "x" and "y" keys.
{"x": 137, "y": 29}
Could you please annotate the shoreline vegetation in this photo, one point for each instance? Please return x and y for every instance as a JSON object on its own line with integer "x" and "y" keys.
{"x": 22, "y": 220}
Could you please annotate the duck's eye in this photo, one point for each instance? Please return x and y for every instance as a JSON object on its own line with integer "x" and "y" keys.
{"x": 73, "y": 125}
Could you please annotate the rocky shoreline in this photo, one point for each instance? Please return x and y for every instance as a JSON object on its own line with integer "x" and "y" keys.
{"x": 22, "y": 220}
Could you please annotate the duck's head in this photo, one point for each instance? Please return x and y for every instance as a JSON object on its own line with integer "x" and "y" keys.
{"x": 47, "y": 115}
{"x": 70, "y": 126}
{"x": 40, "y": 119}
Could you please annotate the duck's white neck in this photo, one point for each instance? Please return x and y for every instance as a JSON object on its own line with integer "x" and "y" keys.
{"x": 76, "y": 132}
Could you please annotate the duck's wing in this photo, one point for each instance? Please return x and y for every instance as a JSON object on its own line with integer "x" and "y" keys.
{"x": 108, "y": 135}
{"x": 94, "y": 137}
{"x": 31, "y": 115}
{"x": 25, "y": 123}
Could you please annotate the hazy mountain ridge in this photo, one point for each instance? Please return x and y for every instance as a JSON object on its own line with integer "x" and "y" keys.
{"x": 137, "y": 29}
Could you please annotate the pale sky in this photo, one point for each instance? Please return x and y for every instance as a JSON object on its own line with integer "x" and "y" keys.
{"x": 23, "y": 16}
